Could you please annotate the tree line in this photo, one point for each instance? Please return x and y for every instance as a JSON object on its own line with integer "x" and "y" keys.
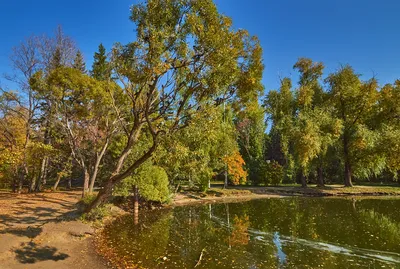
{"x": 184, "y": 102}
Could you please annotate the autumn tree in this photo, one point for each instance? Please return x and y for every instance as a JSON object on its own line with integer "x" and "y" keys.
{"x": 235, "y": 165}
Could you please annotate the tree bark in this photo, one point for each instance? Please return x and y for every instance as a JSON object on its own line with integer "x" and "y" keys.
{"x": 118, "y": 177}
{"x": 69, "y": 185}
{"x": 320, "y": 176}
{"x": 86, "y": 179}
{"x": 99, "y": 157}
{"x": 136, "y": 204}
{"x": 32, "y": 185}
{"x": 348, "y": 175}
{"x": 347, "y": 164}
{"x": 102, "y": 196}
{"x": 303, "y": 180}
{"x": 42, "y": 176}
{"x": 226, "y": 178}
{"x": 57, "y": 182}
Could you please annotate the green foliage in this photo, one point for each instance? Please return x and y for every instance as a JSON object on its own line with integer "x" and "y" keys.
{"x": 152, "y": 182}
{"x": 98, "y": 214}
{"x": 197, "y": 152}
{"x": 251, "y": 138}
{"x": 272, "y": 173}
{"x": 79, "y": 63}
{"x": 101, "y": 69}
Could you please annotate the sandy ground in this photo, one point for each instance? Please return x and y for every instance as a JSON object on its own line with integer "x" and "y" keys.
{"x": 41, "y": 231}
{"x": 182, "y": 199}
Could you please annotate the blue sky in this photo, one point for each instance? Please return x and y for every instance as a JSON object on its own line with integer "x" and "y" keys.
{"x": 363, "y": 33}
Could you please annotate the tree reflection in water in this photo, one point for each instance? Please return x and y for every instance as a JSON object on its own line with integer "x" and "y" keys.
{"x": 272, "y": 233}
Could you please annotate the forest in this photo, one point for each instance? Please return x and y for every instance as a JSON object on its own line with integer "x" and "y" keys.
{"x": 184, "y": 104}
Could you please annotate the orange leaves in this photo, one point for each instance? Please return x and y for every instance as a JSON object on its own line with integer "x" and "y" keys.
{"x": 235, "y": 165}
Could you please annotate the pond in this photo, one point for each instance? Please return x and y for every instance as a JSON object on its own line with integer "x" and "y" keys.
{"x": 269, "y": 233}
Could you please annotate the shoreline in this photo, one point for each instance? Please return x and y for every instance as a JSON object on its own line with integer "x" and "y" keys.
{"x": 47, "y": 228}
{"x": 240, "y": 194}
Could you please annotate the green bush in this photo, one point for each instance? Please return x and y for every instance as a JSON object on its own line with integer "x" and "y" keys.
{"x": 152, "y": 182}
{"x": 87, "y": 200}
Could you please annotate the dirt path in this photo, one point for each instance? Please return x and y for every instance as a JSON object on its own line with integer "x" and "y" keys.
{"x": 41, "y": 231}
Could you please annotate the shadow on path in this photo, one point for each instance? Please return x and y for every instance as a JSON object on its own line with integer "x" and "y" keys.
{"x": 32, "y": 253}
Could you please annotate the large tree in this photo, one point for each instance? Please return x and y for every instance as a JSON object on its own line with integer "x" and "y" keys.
{"x": 353, "y": 101}
{"x": 85, "y": 111}
{"x": 186, "y": 57}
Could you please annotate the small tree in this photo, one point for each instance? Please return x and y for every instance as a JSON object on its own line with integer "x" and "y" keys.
{"x": 101, "y": 69}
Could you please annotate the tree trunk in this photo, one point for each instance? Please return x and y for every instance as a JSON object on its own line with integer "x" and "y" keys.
{"x": 303, "y": 180}
{"x": 86, "y": 179}
{"x": 93, "y": 180}
{"x": 57, "y": 182}
{"x": 102, "y": 196}
{"x": 320, "y": 173}
{"x": 347, "y": 164}
{"x": 226, "y": 178}
{"x": 99, "y": 157}
{"x": 32, "y": 185}
{"x": 347, "y": 175}
{"x": 14, "y": 185}
{"x": 22, "y": 178}
{"x": 118, "y": 177}
{"x": 20, "y": 183}
{"x": 69, "y": 185}
{"x": 42, "y": 176}
{"x": 136, "y": 204}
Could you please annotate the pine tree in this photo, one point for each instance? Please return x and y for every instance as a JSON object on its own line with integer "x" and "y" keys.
{"x": 100, "y": 68}
{"x": 56, "y": 60}
{"x": 79, "y": 63}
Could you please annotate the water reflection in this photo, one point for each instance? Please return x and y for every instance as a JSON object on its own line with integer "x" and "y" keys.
{"x": 272, "y": 233}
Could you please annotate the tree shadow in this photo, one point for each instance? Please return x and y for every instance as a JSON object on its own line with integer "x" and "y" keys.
{"x": 32, "y": 253}
{"x": 30, "y": 232}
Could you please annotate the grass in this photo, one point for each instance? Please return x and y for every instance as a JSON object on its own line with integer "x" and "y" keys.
{"x": 329, "y": 190}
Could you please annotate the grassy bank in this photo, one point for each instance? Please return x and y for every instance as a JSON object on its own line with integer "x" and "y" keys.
{"x": 246, "y": 192}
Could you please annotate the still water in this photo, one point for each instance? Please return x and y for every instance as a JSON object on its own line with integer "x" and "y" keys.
{"x": 270, "y": 233}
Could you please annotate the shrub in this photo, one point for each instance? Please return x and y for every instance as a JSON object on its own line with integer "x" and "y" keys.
{"x": 98, "y": 213}
{"x": 152, "y": 182}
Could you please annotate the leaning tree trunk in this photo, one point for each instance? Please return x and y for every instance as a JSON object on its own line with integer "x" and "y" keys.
{"x": 117, "y": 177}
{"x": 99, "y": 157}
{"x": 57, "y": 182}
{"x": 102, "y": 196}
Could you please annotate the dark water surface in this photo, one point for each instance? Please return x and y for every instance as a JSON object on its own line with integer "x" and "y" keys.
{"x": 270, "y": 233}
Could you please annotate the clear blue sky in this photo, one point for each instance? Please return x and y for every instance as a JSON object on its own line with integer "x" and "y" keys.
{"x": 363, "y": 33}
